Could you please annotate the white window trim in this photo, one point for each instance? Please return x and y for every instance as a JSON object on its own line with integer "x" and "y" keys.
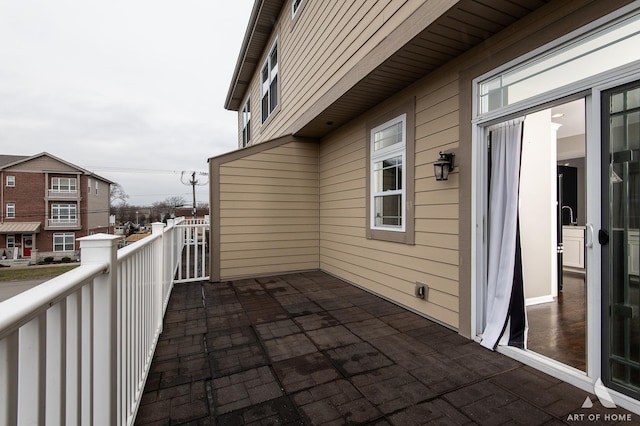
{"x": 89, "y": 186}
{"x": 395, "y": 150}
{"x": 294, "y": 8}
{"x": 272, "y": 74}
{"x": 96, "y": 184}
{"x": 245, "y": 118}
{"x": 11, "y": 241}
{"x": 10, "y": 211}
{"x": 71, "y": 216}
{"x": 55, "y": 184}
{"x": 11, "y": 181}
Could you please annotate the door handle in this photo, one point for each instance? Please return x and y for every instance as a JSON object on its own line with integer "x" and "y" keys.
{"x": 603, "y": 237}
{"x": 589, "y": 243}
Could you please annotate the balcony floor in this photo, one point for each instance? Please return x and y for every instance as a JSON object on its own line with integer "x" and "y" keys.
{"x": 309, "y": 348}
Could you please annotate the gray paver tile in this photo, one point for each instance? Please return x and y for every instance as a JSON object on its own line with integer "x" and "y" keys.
{"x": 332, "y": 337}
{"x": 436, "y": 412}
{"x": 244, "y": 389}
{"x": 316, "y": 321}
{"x": 358, "y": 358}
{"x": 236, "y": 359}
{"x": 289, "y": 347}
{"x": 305, "y": 371}
{"x": 272, "y": 330}
{"x": 371, "y": 329}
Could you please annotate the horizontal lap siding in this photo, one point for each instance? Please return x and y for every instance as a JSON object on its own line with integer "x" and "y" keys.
{"x": 269, "y": 212}
{"x": 392, "y": 269}
{"x": 326, "y": 42}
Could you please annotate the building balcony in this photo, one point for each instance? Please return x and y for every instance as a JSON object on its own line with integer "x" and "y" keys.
{"x": 63, "y": 223}
{"x": 56, "y": 194}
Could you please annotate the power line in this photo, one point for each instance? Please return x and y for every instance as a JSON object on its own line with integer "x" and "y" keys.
{"x": 137, "y": 170}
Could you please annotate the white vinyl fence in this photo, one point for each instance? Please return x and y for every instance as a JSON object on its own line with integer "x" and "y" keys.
{"x": 76, "y": 350}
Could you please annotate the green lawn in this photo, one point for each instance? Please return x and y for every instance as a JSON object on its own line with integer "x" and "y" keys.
{"x": 34, "y": 273}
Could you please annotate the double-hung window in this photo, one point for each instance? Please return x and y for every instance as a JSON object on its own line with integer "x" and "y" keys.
{"x": 269, "y": 79}
{"x": 63, "y": 213}
{"x": 64, "y": 241}
{"x": 11, "y": 181}
{"x": 246, "y": 123}
{"x": 295, "y": 5}
{"x": 63, "y": 184}
{"x": 391, "y": 175}
{"x": 388, "y": 152}
{"x": 11, "y": 211}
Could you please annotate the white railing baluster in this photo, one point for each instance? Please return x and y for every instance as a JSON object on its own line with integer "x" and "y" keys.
{"x": 55, "y": 365}
{"x": 31, "y": 369}
{"x": 9, "y": 379}
{"x": 72, "y": 364}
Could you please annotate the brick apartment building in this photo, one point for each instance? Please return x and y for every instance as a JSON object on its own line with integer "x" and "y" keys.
{"x": 47, "y": 203}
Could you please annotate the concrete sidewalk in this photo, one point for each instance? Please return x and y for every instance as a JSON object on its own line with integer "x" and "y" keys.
{"x": 311, "y": 349}
{"x": 9, "y": 289}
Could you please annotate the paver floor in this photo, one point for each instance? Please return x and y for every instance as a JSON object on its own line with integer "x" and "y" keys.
{"x": 310, "y": 349}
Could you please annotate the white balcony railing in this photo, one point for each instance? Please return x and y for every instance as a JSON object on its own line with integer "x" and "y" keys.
{"x": 63, "y": 195}
{"x": 77, "y": 349}
{"x": 62, "y": 223}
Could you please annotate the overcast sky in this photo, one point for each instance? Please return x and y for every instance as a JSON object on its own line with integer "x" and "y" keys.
{"x": 133, "y": 90}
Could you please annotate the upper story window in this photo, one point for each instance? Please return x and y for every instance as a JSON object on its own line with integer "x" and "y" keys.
{"x": 96, "y": 187}
{"x": 63, "y": 212}
{"x": 269, "y": 79}
{"x": 89, "y": 186}
{"x": 295, "y": 5}
{"x": 10, "y": 212}
{"x": 11, "y": 181}
{"x": 63, "y": 184}
{"x": 246, "y": 123}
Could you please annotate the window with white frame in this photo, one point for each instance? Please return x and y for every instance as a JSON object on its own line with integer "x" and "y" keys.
{"x": 10, "y": 211}
{"x": 11, "y": 241}
{"x": 246, "y": 123}
{"x": 64, "y": 184}
{"x": 295, "y": 5}
{"x": 269, "y": 79}
{"x": 63, "y": 213}
{"x": 96, "y": 184}
{"x": 64, "y": 241}
{"x": 388, "y": 152}
{"x": 11, "y": 181}
{"x": 89, "y": 186}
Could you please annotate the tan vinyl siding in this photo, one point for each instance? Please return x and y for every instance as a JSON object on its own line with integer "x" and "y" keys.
{"x": 387, "y": 268}
{"x": 268, "y": 212}
{"x": 324, "y": 44}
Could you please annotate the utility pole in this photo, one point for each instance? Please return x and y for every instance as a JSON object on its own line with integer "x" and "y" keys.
{"x": 193, "y": 182}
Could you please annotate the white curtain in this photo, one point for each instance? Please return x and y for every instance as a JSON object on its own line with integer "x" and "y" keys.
{"x": 503, "y": 224}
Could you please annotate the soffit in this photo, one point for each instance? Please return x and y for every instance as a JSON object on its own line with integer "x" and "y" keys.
{"x": 463, "y": 26}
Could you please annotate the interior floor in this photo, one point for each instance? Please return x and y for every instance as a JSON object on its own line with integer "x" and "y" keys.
{"x": 558, "y": 329}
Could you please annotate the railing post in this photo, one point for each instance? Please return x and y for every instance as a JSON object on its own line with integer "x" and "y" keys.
{"x": 157, "y": 228}
{"x": 102, "y": 248}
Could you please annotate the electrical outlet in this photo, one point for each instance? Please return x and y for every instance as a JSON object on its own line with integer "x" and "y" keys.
{"x": 422, "y": 291}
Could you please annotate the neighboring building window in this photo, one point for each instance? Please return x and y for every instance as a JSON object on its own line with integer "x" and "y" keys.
{"x": 295, "y": 6}
{"x": 63, "y": 213}
{"x": 246, "y": 123}
{"x": 11, "y": 211}
{"x": 96, "y": 187}
{"x": 11, "y": 181}
{"x": 64, "y": 241}
{"x": 63, "y": 184}
{"x": 11, "y": 241}
{"x": 269, "y": 78}
{"x": 391, "y": 182}
{"x": 89, "y": 186}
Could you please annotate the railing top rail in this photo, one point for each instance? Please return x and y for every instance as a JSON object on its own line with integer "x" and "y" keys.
{"x": 22, "y": 308}
{"x": 127, "y": 251}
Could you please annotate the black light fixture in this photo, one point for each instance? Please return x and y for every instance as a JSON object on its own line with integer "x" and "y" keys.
{"x": 443, "y": 166}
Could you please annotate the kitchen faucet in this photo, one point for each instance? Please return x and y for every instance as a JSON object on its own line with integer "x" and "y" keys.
{"x": 570, "y": 214}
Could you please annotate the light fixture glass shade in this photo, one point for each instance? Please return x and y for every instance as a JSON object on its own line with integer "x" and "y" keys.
{"x": 443, "y": 166}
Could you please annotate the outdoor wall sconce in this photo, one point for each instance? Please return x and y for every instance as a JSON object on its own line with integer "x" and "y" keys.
{"x": 443, "y": 166}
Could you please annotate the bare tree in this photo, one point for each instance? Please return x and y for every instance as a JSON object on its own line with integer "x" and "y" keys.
{"x": 118, "y": 196}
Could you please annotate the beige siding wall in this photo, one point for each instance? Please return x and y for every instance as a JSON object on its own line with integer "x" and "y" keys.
{"x": 268, "y": 216}
{"x": 327, "y": 41}
{"x": 97, "y": 205}
{"x": 392, "y": 269}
